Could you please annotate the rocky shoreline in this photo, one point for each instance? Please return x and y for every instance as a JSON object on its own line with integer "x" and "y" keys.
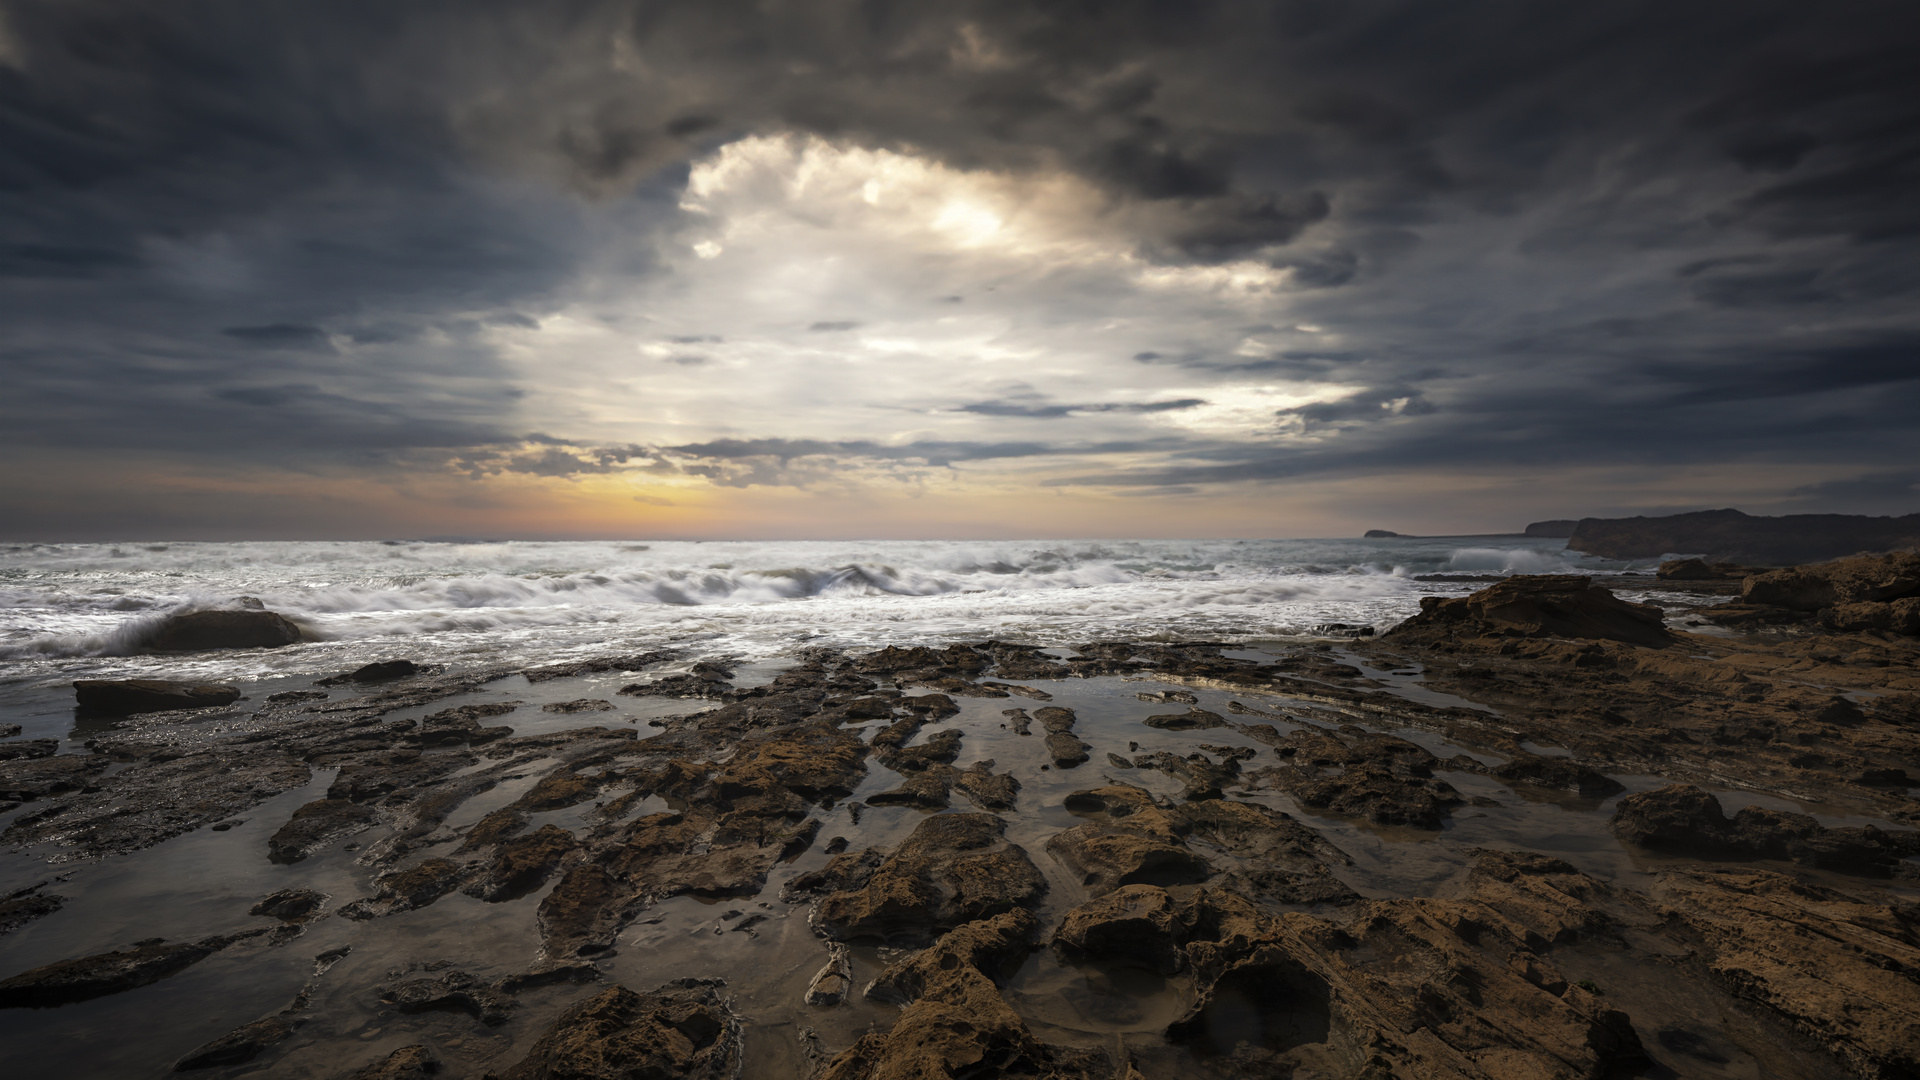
{"x": 1543, "y": 830}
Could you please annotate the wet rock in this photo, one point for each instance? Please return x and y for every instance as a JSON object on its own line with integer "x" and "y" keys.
{"x": 957, "y": 1023}
{"x": 833, "y": 983}
{"x": 414, "y": 887}
{"x": 462, "y": 725}
{"x": 1685, "y": 819}
{"x": 1131, "y": 841}
{"x": 1544, "y": 605}
{"x": 403, "y": 773}
{"x": 455, "y": 991}
{"x": 406, "y": 1063}
{"x": 291, "y": 905}
{"x": 378, "y": 672}
{"x": 8, "y": 731}
{"x": 90, "y": 977}
{"x": 124, "y": 697}
{"x": 1033, "y": 692}
{"x": 952, "y": 869}
{"x": 709, "y": 681}
{"x": 682, "y": 1030}
{"x": 1020, "y": 720}
{"x": 1191, "y": 720}
{"x": 1564, "y": 774}
{"x": 1067, "y": 751}
{"x": 1168, "y": 697}
{"x": 1054, "y": 719}
{"x": 579, "y": 705}
{"x": 1280, "y": 995}
{"x": 985, "y": 788}
{"x": 842, "y": 873}
{"x": 1384, "y": 779}
{"x": 246, "y": 1042}
{"x": 291, "y": 697}
{"x": 1119, "y": 762}
{"x": 28, "y": 748}
{"x": 195, "y": 631}
{"x": 493, "y": 828}
{"x": 24, "y": 906}
{"x": 598, "y": 665}
{"x": 1200, "y": 776}
{"x": 559, "y": 789}
{"x": 1134, "y": 923}
{"x": 522, "y": 864}
{"x": 586, "y": 911}
{"x": 1701, "y": 570}
{"x": 956, "y": 658}
{"x": 147, "y": 802}
{"x": 315, "y": 825}
{"x": 927, "y": 769}
{"x": 993, "y": 947}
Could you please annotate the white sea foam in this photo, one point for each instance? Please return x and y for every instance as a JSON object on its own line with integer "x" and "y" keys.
{"x": 84, "y": 608}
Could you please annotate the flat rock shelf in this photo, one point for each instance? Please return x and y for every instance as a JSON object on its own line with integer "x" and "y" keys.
{"x": 1539, "y": 831}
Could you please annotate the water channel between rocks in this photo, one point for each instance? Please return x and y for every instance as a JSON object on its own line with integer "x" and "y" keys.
{"x": 204, "y": 882}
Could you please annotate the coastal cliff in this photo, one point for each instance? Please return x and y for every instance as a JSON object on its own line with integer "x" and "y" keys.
{"x": 1729, "y": 535}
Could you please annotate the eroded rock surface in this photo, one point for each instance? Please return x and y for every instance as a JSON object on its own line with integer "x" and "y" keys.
{"x": 681, "y": 1030}
{"x": 954, "y": 868}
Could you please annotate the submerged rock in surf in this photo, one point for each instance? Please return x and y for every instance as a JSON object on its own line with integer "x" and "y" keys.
{"x": 247, "y": 628}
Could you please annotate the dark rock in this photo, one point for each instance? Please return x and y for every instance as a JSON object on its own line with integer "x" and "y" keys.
{"x": 455, "y": 991}
{"x": 1701, "y": 570}
{"x": 414, "y": 887}
{"x": 1067, "y": 751}
{"x": 89, "y": 977}
{"x": 406, "y": 1063}
{"x": 954, "y": 868}
{"x": 1557, "y": 772}
{"x": 194, "y": 631}
{"x": 462, "y": 724}
{"x": 1191, "y": 720}
{"x": 682, "y": 1031}
{"x": 245, "y": 1043}
{"x": 994, "y": 947}
{"x": 147, "y": 802}
{"x": 20, "y": 909}
{"x": 985, "y": 788}
{"x": 288, "y": 697}
{"x": 124, "y": 697}
{"x": 398, "y": 773}
{"x": 1557, "y": 530}
{"x": 522, "y": 864}
{"x": 1685, "y": 819}
{"x": 559, "y": 789}
{"x": 315, "y": 825}
{"x": 381, "y": 671}
{"x": 578, "y": 706}
{"x": 290, "y": 904}
{"x": 28, "y": 748}
{"x": 1545, "y": 605}
{"x": 586, "y": 911}
{"x": 1894, "y": 617}
{"x": 598, "y": 665}
{"x": 833, "y": 983}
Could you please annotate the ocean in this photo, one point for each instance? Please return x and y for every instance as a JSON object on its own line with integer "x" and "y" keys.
{"x": 72, "y": 611}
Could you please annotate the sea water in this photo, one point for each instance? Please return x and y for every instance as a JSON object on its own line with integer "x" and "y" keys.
{"x": 71, "y": 611}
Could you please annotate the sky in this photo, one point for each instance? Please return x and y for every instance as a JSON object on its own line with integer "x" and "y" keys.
{"x": 856, "y": 268}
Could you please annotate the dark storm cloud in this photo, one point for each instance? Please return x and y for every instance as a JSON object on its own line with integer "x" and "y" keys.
{"x": 278, "y": 229}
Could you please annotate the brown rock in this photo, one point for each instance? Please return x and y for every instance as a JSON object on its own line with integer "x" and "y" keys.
{"x": 1564, "y": 774}
{"x": 107, "y": 973}
{"x": 682, "y": 1031}
{"x": 952, "y": 869}
{"x": 315, "y": 825}
{"x": 585, "y": 912}
{"x": 1685, "y": 819}
{"x": 1866, "y": 579}
{"x": 406, "y": 1063}
{"x": 246, "y": 1042}
{"x": 522, "y": 864}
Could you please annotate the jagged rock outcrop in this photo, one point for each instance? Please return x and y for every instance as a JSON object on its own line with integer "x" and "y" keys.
{"x": 1536, "y": 606}
{"x": 1682, "y": 818}
{"x": 682, "y": 1030}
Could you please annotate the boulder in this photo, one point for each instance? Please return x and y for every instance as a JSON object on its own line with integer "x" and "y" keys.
{"x": 952, "y": 869}
{"x": 124, "y": 697}
{"x": 196, "y": 631}
{"x": 1535, "y": 606}
{"x": 87, "y": 977}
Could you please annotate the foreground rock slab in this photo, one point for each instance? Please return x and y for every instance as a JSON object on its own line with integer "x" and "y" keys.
{"x": 681, "y": 1030}
{"x": 124, "y": 697}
